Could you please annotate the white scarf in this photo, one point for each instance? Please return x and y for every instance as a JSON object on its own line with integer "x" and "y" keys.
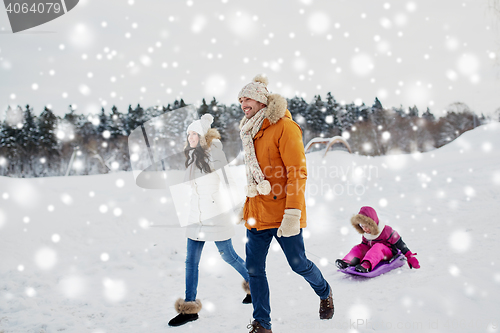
{"x": 371, "y": 237}
{"x": 257, "y": 183}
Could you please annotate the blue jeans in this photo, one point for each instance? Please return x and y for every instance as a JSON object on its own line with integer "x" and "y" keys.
{"x": 193, "y": 257}
{"x": 293, "y": 247}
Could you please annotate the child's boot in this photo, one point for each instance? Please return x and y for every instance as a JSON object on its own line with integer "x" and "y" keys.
{"x": 341, "y": 264}
{"x": 364, "y": 267}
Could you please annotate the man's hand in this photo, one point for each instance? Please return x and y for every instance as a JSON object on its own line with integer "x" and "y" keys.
{"x": 290, "y": 226}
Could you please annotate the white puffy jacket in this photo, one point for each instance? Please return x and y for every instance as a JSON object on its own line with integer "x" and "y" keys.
{"x": 211, "y": 214}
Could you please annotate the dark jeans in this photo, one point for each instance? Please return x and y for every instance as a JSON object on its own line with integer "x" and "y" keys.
{"x": 293, "y": 247}
{"x": 193, "y": 257}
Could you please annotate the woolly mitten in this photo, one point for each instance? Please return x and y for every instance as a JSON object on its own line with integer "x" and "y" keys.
{"x": 412, "y": 260}
{"x": 290, "y": 226}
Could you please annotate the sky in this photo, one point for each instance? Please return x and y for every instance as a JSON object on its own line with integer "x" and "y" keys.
{"x": 124, "y": 52}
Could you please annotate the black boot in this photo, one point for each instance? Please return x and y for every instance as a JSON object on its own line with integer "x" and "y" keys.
{"x": 341, "y": 264}
{"x": 247, "y": 299}
{"x": 182, "y": 318}
{"x": 187, "y": 311}
{"x": 362, "y": 269}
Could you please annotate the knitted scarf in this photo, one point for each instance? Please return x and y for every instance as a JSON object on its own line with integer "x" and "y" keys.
{"x": 257, "y": 183}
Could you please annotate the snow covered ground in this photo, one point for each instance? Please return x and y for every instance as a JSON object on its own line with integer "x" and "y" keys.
{"x": 98, "y": 254}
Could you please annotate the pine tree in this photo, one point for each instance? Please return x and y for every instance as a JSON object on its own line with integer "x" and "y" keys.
{"x": 203, "y": 108}
{"x": 316, "y": 125}
{"x": 332, "y": 109}
{"x": 297, "y": 107}
{"x": 103, "y": 122}
{"x": 117, "y": 124}
{"x": 28, "y": 142}
{"x": 49, "y": 145}
{"x": 412, "y": 111}
{"x": 72, "y": 118}
{"x": 11, "y": 133}
{"x": 217, "y": 111}
{"x": 135, "y": 118}
{"x": 427, "y": 115}
{"x": 377, "y": 104}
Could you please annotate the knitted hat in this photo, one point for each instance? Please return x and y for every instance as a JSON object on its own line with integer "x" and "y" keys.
{"x": 366, "y": 216}
{"x": 256, "y": 90}
{"x": 201, "y": 126}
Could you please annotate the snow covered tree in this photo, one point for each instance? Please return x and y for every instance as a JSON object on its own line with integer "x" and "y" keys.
{"x": 117, "y": 123}
{"x": 412, "y": 111}
{"x": 217, "y": 111}
{"x": 203, "y": 108}
{"x": 427, "y": 115}
{"x": 331, "y": 116}
{"x": 297, "y": 107}
{"x": 497, "y": 115}
{"x": 135, "y": 118}
{"x": 178, "y": 104}
{"x": 11, "y": 132}
{"x": 103, "y": 121}
{"x": 459, "y": 119}
{"x": 48, "y": 143}
{"x": 315, "y": 119}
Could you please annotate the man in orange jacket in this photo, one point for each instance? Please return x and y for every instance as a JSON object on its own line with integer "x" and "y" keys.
{"x": 275, "y": 205}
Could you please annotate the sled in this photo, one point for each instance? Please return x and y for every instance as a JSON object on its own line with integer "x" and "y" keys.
{"x": 383, "y": 267}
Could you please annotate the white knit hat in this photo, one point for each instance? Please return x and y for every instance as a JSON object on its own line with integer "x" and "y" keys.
{"x": 201, "y": 126}
{"x": 256, "y": 90}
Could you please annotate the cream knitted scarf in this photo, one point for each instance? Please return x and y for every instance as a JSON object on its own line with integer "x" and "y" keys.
{"x": 257, "y": 183}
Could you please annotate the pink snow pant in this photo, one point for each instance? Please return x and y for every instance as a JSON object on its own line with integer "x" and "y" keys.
{"x": 373, "y": 254}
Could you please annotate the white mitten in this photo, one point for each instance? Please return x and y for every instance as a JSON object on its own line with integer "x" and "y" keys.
{"x": 290, "y": 226}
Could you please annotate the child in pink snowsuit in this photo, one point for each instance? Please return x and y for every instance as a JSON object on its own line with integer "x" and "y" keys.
{"x": 379, "y": 242}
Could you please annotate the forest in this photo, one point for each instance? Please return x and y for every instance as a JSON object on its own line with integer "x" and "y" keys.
{"x": 48, "y": 145}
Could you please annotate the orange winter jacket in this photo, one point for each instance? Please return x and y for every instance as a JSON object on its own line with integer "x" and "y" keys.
{"x": 280, "y": 152}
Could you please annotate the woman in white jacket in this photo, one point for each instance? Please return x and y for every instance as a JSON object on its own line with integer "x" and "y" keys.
{"x": 210, "y": 216}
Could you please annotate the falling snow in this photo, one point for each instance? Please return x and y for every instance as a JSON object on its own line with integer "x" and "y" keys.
{"x": 107, "y": 245}
{"x": 203, "y": 49}
{"x": 78, "y": 251}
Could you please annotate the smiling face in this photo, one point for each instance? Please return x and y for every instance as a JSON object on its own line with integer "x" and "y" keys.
{"x": 193, "y": 139}
{"x": 250, "y": 106}
{"x": 365, "y": 228}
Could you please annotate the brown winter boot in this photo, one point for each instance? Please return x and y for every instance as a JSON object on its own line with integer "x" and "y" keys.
{"x": 326, "y": 307}
{"x": 187, "y": 311}
{"x": 256, "y": 328}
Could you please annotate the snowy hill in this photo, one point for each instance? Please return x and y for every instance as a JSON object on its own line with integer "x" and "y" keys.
{"x": 98, "y": 254}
